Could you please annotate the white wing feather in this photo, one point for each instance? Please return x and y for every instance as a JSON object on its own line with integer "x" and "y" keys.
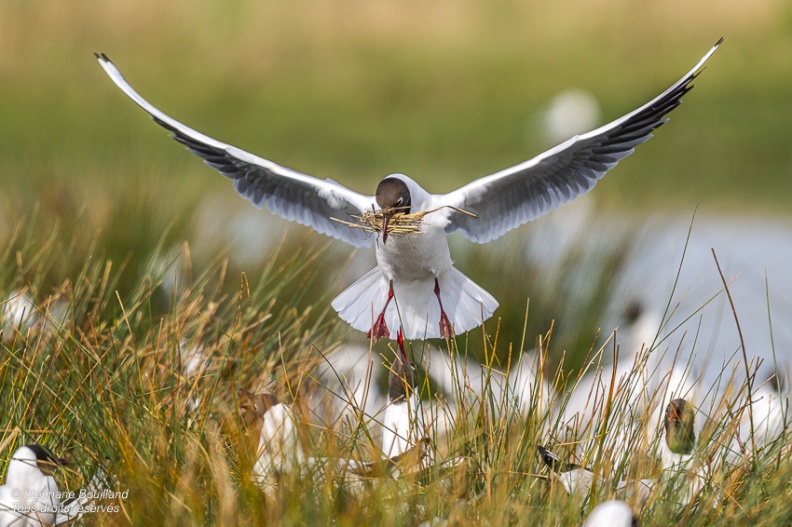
{"x": 519, "y": 194}
{"x": 295, "y": 196}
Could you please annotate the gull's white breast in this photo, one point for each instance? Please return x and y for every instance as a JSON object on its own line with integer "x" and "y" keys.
{"x": 415, "y": 256}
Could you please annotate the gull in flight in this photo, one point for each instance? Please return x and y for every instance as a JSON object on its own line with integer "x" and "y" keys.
{"x": 415, "y": 285}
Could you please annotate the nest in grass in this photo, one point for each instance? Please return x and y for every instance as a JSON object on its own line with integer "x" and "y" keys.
{"x": 399, "y": 222}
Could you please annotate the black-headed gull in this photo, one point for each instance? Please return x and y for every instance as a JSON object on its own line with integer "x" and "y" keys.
{"x": 415, "y": 285}
{"x": 678, "y": 450}
{"x": 578, "y": 480}
{"x": 30, "y": 496}
{"x": 280, "y": 449}
{"x": 680, "y": 433}
{"x": 575, "y": 479}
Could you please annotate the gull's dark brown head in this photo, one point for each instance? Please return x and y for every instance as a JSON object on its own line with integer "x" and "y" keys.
{"x": 256, "y": 404}
{"x": 679, "y": 420}
{"x": 554, "y": 462}
{"x": 392, "y": 196}
{"x": 47, "y": 463}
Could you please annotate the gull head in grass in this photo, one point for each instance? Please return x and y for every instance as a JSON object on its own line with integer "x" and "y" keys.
{"x": 415, "y": 285}
{"x": 679, "y": 421}
{"x": 576, "y": 480}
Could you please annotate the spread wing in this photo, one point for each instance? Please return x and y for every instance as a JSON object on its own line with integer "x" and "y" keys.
{"x": 295, "y": 196}
{"x": 519, "y": 194}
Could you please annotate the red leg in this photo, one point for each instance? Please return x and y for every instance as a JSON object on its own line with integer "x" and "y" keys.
{"x": 446, "y": 330}
{"x": 380, "y": 328}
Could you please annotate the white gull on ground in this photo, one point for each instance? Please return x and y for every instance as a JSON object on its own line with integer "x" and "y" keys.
{"x": 282, "y": 454}
{"x": 769, "y": 411}
{"x": 280, "y": 448}
{"x": 30, "y": 495}
{"x": 578, "y": 481}
{"x": 611, "y": 513}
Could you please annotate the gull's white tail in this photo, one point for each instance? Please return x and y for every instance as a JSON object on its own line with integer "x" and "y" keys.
{"x": 415, "y": 306}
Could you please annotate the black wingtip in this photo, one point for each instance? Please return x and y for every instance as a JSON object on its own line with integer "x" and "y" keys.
{"x": 102, "y": 57}
{"x": 548, "y": 457}
{"x": 719, "y": 42}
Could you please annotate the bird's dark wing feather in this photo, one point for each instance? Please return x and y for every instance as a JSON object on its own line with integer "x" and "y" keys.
{"x": 295, "y": 196}
{"x": 516, "y": 195}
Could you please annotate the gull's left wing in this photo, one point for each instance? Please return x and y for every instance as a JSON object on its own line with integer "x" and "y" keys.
{"x": 517, "y": 195}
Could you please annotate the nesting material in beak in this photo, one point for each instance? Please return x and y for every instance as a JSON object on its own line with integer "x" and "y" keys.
{"x": 385, "y": 220}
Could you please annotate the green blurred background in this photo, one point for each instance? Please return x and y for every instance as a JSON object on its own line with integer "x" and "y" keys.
{"x": 443, "y": 91}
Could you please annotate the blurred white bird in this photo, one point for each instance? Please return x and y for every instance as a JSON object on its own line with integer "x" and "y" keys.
{"x": 280, "y": 448}
{"x": 30, "y": 495}
{"x": 281, "y": 453}
{"x": 611, "y": 513}
{"x": 585, "y": 405}
{"x": 571, "y": 112}
{"x": 345, "y": 386}
{"x": 769, "y": 409}
{"x": 17, "y": 312}
{"x": 527, "y": 386}
{"x": 415, "y": 286}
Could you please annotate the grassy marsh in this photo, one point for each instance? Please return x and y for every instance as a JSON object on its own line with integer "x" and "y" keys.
{"x": 123, "y": 241}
